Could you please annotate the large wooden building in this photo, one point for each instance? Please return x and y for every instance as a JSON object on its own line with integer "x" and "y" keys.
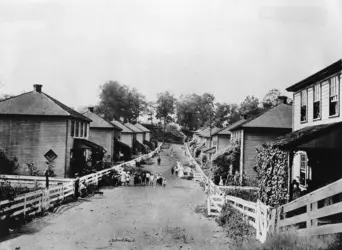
{"x": 258, "y": 129}
{"x": 36, "y": 127}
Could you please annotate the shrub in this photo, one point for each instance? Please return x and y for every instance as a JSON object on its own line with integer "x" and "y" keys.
{"x": 272, "y": 173}
{"x": 290, "y": 240}
{"x": 8, "y": 166}
{"x": 234, "y": 223}
{"x": 8, "y": 192}
{"x": 248, "y": 195}
{"x": 32, "y": 169}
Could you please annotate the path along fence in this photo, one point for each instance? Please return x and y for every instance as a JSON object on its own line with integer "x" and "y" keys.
{"x": 257, "y": 214}
{"x": 40, "y": 200}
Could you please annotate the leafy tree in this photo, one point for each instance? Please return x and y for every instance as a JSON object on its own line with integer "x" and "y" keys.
{"x": 226, "y": 114}
{"x": 165, "y": 107}
{"x": 119, "y": 102}
{"x": 188, "y": 110}
{"x": 271, "y": 98}
{"x": 250, "y": 103}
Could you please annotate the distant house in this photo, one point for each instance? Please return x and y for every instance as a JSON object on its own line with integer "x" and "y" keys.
{"x": 138, "y": 139}
{"x": 147, "y": 132}
{"x": 102, "y": 132}
{"x": 315, "y": 144}
{"x": 255, "y": 130}
{"x": 36, "y": 127}
{"x": 221, "y": 138}
{"x": 126, "y": 134}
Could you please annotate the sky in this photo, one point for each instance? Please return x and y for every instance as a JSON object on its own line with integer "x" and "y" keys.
{"x": 228, "y": 48}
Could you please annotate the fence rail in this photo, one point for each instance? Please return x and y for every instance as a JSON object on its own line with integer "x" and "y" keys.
{"x": 316, "y": 213}
{"x": 32, "y": 181}
{"x": 37, "y": 201}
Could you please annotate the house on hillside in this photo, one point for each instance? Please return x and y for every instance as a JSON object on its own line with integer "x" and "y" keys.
{"x": 315, "y": 144}
{"x": 123, "y": 141}
{"x": 221, "y": 138}
{"x": 102, "y": 132}
{"x": 36, "y": 127}
{"x": 208, "y": 135}
{"x": 258, "y": 129}
{"x": 147, "y": 132}
{"x": 138, "y": 138}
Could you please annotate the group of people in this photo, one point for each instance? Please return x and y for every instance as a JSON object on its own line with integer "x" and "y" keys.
{"x": 139, "y": 179}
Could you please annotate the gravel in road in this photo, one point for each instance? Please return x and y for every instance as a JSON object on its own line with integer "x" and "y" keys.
{"x": 128, "y": 218}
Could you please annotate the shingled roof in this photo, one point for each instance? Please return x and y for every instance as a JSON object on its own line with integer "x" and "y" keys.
{"x": 37, "y": 103}
{"x": 99, "y": 122}
{"x": 279, "y": 116}
{"x": 133, "y": 128}
{"x": 141, "y": 127}
{"x": 123, "y": 127}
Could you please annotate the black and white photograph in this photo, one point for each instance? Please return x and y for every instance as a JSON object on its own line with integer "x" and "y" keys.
{"x": 170, "y": 125}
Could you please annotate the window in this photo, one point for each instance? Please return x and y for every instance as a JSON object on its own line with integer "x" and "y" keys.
{"x": 81, "y": 129}
{"x": 72, "y": 130}
{"x": 317, "y": 102}
{"x": 85, "y": 129}
{"x": 77, "y": 134}
{"x": 303, "y": 106}
{"x": 333, "y": 98}
{"x": 303, "y": 169}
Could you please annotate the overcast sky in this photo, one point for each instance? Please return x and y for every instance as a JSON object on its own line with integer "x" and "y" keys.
{"x": 226, "y": 47}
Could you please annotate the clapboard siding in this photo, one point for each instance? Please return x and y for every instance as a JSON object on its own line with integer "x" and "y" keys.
{"x": 104, "y": 138}
{"x": 253, "y": 139}
{"x": 31, "y": 138}
{"x": 324, "y": 107}
{"x": 223, "y": 142}
{"x": 140, "y": 137}
{"x": 127, "y": 138}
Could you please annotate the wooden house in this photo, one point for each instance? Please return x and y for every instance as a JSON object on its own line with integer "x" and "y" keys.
{"x": 258, "y": 129}
{"x": 36, "y": 127}
{"x": 127, "y": 134}
{"x": 147, "y": 132}
{"x": 315, "y": 144}
{"x": 138, "y": 139}
{"x": 221, "y": 138}
{"x": 102, "y": 132}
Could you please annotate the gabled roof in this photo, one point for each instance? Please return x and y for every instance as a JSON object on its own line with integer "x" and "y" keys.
{"x": 99, "y": 122}
{"x": 123, "y": 127}
{"x": 141, "y": 127}
{"x": 279, "y": 116}
{"x": 235, "y": 125}
{"x": 320, "y": 75}
{"x": 37, "y": 104}
{"x": 133, "y": 128}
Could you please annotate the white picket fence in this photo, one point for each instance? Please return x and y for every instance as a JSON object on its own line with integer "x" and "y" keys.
{"x": 32, "y": 181}
{"x": 40, "y": 200}
{"x": 257, "y": 214}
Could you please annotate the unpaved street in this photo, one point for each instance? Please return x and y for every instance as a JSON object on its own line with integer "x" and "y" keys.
{"x": 128, "y": 218}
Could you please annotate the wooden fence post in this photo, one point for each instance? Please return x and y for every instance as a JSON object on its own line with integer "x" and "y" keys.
{"x": 24, "y": 206}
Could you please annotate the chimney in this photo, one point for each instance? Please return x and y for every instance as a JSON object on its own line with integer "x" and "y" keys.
{"x": 37, "y": 88}
{"x": 282, "y": 99}
{"x": 91, "y": 109}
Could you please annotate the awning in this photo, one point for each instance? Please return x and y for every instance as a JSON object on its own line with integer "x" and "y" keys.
{"x": 319, "y": 136}
{"x": 210, "y": 150}
{"x": 120, "y": 144}
{"x": 83, "y": 143}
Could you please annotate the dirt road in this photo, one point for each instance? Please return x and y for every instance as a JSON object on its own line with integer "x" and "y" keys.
{"x": 128, "y": 218}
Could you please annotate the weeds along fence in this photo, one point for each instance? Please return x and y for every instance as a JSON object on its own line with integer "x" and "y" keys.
{"x": 35, "y": 202}
{"x": 257, "y": 214}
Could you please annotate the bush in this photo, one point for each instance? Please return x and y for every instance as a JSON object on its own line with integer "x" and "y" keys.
{"x": 248, "y": 195}
{"x": 8, "y": 192}
{"x": 234, "y": 223}
{"x": 290, "y": 240}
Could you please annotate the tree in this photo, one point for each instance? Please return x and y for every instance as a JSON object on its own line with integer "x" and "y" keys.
{"x": 250, "y": 103}
{"x": 188, "y": 110}
{"x": 226, "y": 114}
{"x": 271, "y": 98}
{"x": 165, "y": 107}
{"x": 119, "y": 102}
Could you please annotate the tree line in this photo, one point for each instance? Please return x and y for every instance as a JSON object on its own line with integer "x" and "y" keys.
{"x": 192, "y": 111}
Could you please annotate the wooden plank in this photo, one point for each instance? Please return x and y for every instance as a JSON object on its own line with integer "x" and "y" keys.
{"x": 321, "y": 230}
{"x": 326, "y": 211}
{"x": 293, "y": 220}
{"x": 301, "y": 202}
{"x": 238, "y": 187}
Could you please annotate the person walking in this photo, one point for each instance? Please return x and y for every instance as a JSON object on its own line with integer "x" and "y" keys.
{"x": 164, "y": 182}
{"x": 172, "y": 170}
{"x": 147, "y": 179}
{"x": 127, "y": 179}
{"x": 46, "y": 173}
{"x": 159, "y": 160}
{"x": 151, "y": 180}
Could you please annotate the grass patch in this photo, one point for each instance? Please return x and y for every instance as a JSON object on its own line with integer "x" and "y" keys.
{"x": 290, "y": 240}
